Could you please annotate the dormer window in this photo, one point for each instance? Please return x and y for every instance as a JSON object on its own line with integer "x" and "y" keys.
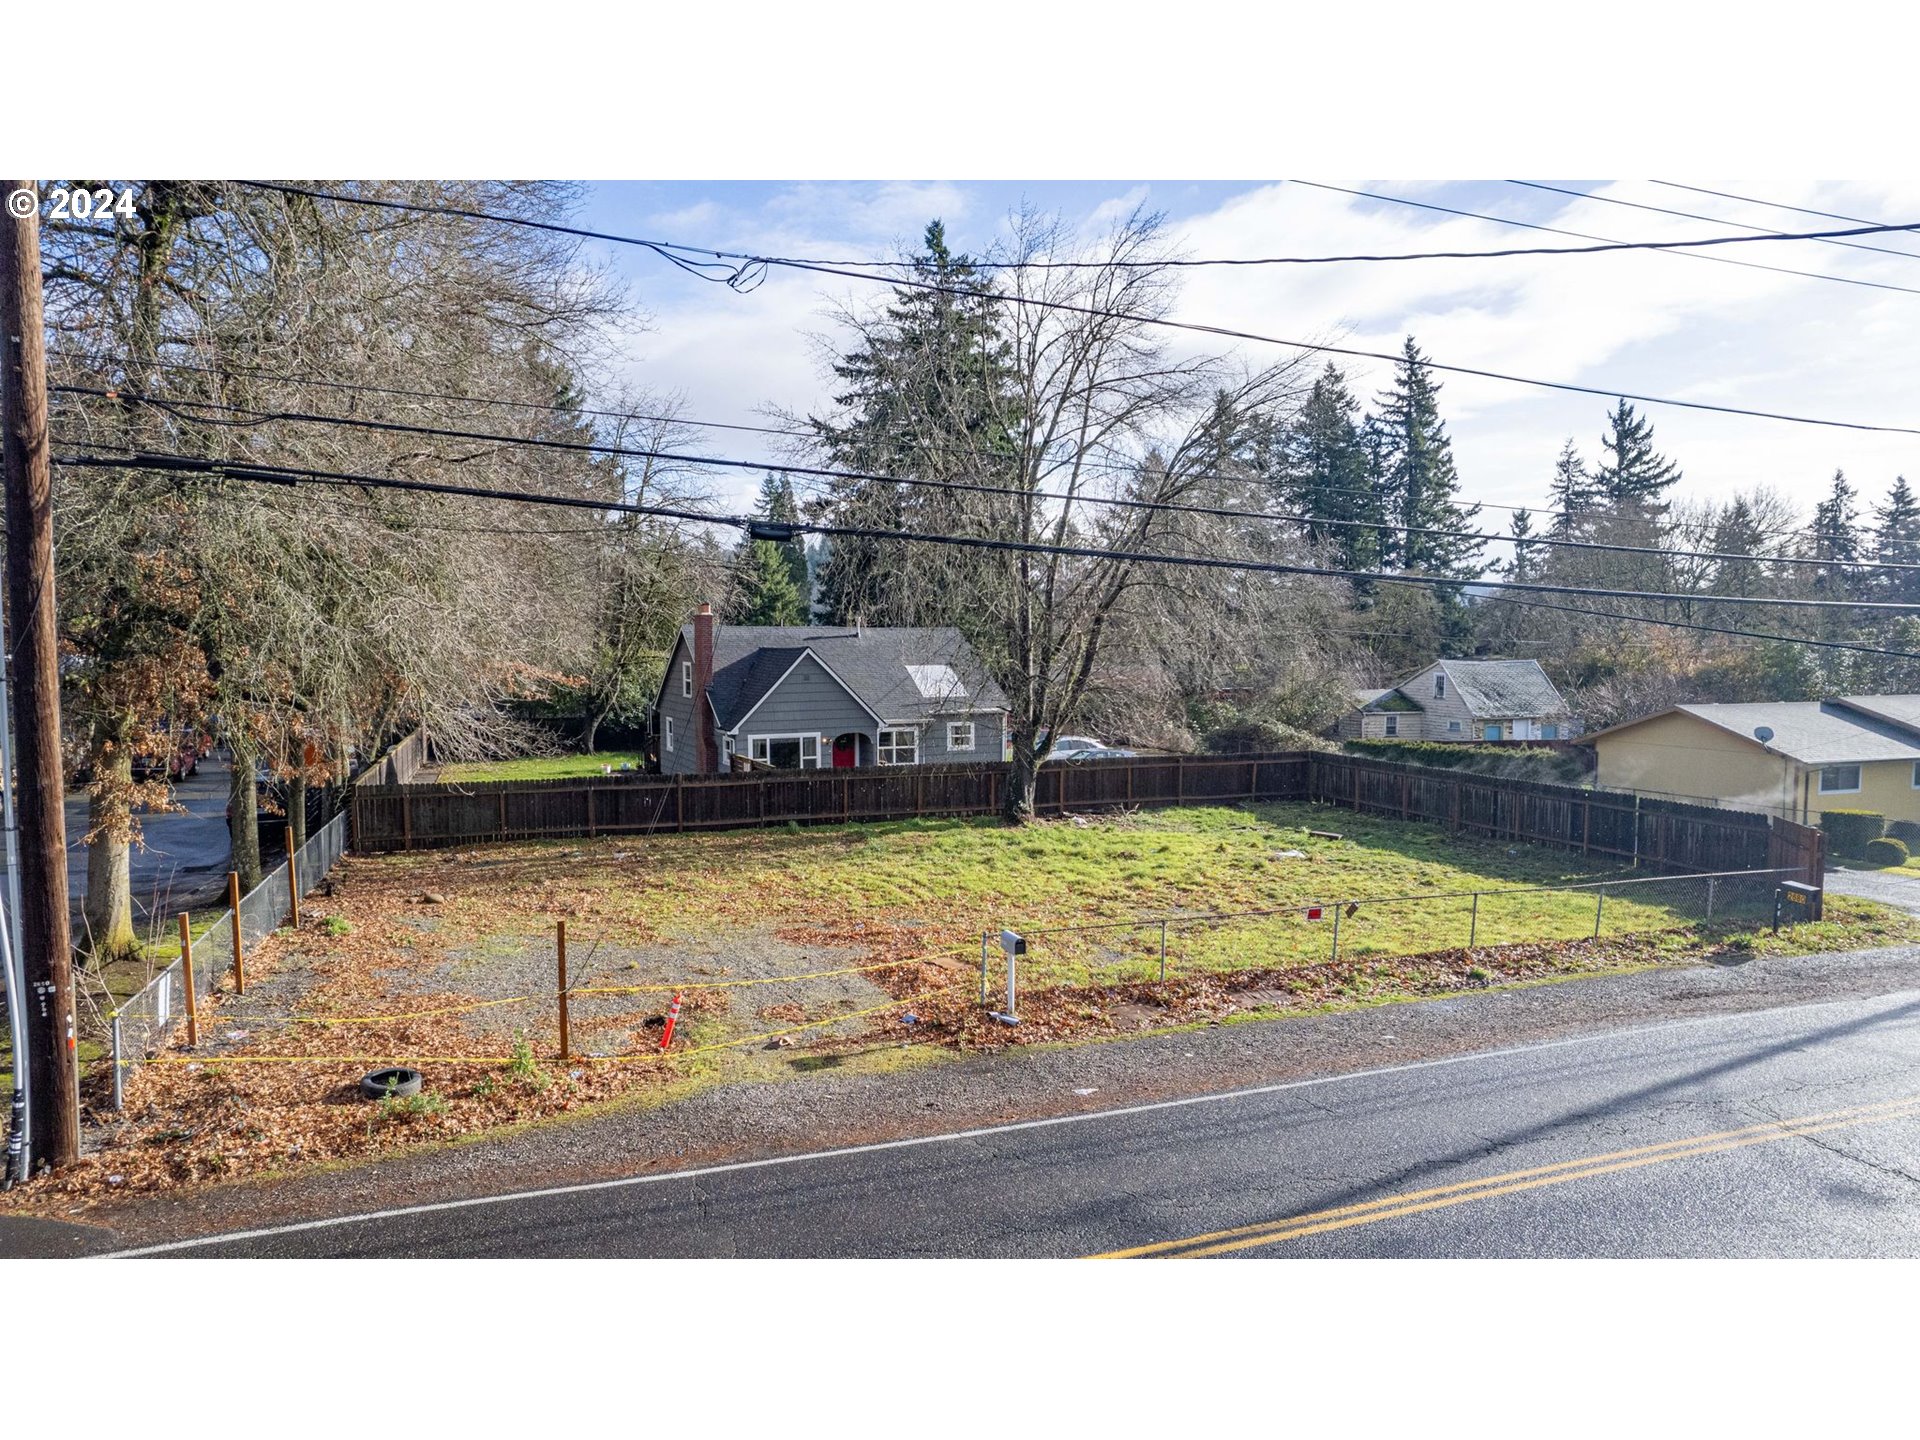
{"x": 1439, "y": 685}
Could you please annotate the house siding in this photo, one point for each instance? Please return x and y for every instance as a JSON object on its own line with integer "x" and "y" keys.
{"x": 809, "y": 701}
{"x": 989, "y": 728}
{"x": 684, "y": 758}
{"x": 1438, "y": 711}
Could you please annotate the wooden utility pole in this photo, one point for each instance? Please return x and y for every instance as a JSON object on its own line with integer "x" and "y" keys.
{"x": 53, "y": 1065}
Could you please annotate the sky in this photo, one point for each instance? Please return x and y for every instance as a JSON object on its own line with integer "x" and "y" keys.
{"x": 1652, "y": 323}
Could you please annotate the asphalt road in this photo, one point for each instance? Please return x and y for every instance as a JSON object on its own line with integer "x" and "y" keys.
{"x": 184, "y": 858}
{"x": 1790, "y": 1132}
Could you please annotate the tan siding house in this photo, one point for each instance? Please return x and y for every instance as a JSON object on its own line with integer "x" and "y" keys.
{"x": 1795, "y": 759}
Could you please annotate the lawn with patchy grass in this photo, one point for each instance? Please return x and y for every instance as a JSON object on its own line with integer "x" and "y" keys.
{"x": 858, "y": 947}
{"x": 541, "y": 767}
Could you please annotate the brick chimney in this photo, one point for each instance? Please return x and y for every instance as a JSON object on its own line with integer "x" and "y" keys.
{"x": 706, "y": 746}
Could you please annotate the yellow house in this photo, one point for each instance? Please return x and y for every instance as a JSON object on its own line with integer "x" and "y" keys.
{"x": 1794, "y": 759}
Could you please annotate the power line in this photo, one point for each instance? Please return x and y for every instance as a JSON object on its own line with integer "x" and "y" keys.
{"x": 1697, "y": 625}
{"x": 1769, "y": 204}
{"x": 1580, "y": 234}
{"x": 1710, "y": 219}
{"x": 743, "y": 274}
{"x": 781, "y": 531}
{"x": 263, "y": 416}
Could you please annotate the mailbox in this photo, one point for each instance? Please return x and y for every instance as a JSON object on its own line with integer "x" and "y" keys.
{"x": 1803, "y": 900}
{"x": 1013, "y": 943}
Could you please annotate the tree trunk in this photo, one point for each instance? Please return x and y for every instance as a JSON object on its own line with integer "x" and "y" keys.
{"x": 297, "y": 810}
{"x": 1016, "y": 805}
{"x": 108, "y": 911}
{"x": 242, "y": 823}
{"x": 592, "y": 730}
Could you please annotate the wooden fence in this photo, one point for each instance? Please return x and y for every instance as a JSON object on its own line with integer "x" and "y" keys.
{"x": 1659, "y": 835}
{"x": 399, "y": 765}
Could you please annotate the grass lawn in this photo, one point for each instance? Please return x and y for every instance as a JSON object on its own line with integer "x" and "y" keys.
{"x": 542, "y": 767}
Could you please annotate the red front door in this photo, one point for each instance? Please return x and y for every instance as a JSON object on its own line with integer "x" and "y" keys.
{"x": 846, "y": 752}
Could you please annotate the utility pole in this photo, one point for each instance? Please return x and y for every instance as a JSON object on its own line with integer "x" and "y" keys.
{"x": 48, "y": 962}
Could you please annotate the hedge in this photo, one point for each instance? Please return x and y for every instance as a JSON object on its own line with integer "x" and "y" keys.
{"x": 1850, "y": 830}
{"x": 1886, "y": 851}
{"x": 1907, "y": 832}
{"x": 1563, "y": 766}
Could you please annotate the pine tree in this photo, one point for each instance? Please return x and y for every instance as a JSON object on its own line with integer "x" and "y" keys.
{"x": 1896, "y": 540}
{"x": 767, "y": 594}
{"x": 1736, "y": 532}
{"x": 1632, "y": 474}
{"x": 1324, "y": 472}
{"x": 1836, "y": 535}
{"x": 777, "y": 503}
{"x": 1416, "y": 466}
{"x": 1521, "y": 528}
{"x": 1575, "y": 493}
{"x": 928, "y": 397}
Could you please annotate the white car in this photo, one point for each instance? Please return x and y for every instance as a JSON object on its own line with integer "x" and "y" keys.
{"x": 1069, "y": 745}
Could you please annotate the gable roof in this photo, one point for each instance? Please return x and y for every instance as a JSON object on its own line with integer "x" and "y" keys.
{"x": 1903, "y": 710}
{"x": 1503, "y": 689}
{"x": 1811, "y": 732}
{"x": 872, "y": 663}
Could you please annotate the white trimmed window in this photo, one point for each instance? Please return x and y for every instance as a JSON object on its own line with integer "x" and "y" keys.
{"x": 786, "y": 752}
{"x": 1840, "y": 780}
{"x": 960, "y": 735}
{"x": 1393, "y": 724}
{"x": 1439, "y": 686}
{"x": 686, "y": 679}
{"x": 1453, "y": 727}
{"x": 900, "y": 746}
{"x": 666, "y": 732}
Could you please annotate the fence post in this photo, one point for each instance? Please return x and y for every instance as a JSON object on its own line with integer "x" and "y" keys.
{"x": 1163, "y": 952}
{"x": 1710, "y": 885}
{"x": 1599, "y": 902}
{"x": 406, "y": 821}
{"x": 984, "y": 934}
{"x": 293, "y": 878}
{"x": 1473, "y": 922}
{"x": 233, "y": 904}
{"x": 1336, "y": 932}
{"x": 560, "y": 951}
{"x": 186, "y": 973}
{"x": 119, "y": 1065}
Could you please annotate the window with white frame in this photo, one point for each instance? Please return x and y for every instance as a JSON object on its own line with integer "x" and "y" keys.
{"x": 786, "y": 752}
{"x": 1393, "y": 724}
{"x": 899, "y": 746}
{"x": 686, "y": 679}
{"x": 666, "y": 731}
{"x": 1439, "y": 685}
{"x": 960, "y": 735}
{"x": 1839, "y": 779}
{"x": 1453, "y": 727}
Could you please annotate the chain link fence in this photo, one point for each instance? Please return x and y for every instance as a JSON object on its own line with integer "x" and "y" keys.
{"x": 1156, "y": 947}
{"x": 143, "y": 1023}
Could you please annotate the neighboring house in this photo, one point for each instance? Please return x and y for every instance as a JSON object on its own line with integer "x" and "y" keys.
{"x": 1792, "y": 758}
{"x": 1463, "y": 700}
{"x": 809, "y": 697}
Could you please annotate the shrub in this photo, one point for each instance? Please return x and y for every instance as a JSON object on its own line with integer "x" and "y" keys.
{"x": 1848, "y": 831}
{"x": 1907, "y": 832}
{"x": 1562, "y": 767}
{"x": 1886, "y": 851}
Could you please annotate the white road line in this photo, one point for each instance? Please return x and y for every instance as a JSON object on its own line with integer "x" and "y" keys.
{"x": 1217, "y": 1097}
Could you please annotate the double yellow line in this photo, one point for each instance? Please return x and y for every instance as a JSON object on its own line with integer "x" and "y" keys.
{"x": 1392, "y": 1207}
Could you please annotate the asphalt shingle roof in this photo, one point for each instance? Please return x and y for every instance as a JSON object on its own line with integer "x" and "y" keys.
{"x": 1503, "y": 689}
{"x": 872, "y": 661}
{"x": 1813, "y": 732}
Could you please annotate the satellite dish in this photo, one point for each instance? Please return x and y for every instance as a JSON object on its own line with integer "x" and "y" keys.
{"x": 1763, "y": 733}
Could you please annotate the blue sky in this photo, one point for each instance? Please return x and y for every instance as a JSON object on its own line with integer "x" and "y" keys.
{"x": 1654, "y": 323}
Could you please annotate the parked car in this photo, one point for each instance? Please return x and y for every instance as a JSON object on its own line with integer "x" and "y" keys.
{"x": 1068, "y": 745}
{"x": 1097, "y": 752}
{"x": 184, "y": 761}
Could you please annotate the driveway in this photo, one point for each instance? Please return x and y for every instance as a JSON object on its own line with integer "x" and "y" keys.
{"x": 1899, "y": 888}
{"x": 183, "y": 861}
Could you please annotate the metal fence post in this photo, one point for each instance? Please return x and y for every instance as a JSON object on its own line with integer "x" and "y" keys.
{"x": 1013, "y": 1007}
{"x": 1473, "y": 921}
{"x": 1163, "y": 951}
{"x": 1336, "y": 932}
{"x": 1710, "y": 885}
{"x": 1599, "y": 900}
{"x": 984, "y": 936}
{"x": 119, "y": 1065}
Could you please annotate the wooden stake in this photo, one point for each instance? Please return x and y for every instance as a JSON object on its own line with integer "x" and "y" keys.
{"x": 293, "y": 877}
{"x": 233, "y": 903}
{"x": 560, "y": 949}
{"x": 186, "y": 973}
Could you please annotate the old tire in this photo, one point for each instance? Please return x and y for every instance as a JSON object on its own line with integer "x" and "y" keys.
{"x": 396, "y": 1081}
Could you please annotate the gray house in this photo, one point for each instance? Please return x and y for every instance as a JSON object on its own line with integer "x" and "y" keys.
{"x": 1463, "y": 700}
{"x": 807, "y": 697}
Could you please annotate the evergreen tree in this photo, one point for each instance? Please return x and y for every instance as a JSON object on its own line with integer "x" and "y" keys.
{"x": 928, "y": 397}
{"x": 1417, "y": 469}
{"x": 1896, "y": 539}
{"x": 766, "y": 593}
{"x": 1324, "y": 472}
{"x": 1521, "y": 528}
{"x": 777, "y": 503}
{"x": 1737, "y": 533}
{"x": 1836, "y": 535}
{"x": 1632, "y": 474}
{"x": 1575, "y": 493}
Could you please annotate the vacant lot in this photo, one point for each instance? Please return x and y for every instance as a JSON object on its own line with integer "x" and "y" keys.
{"x": 542, "y": 767}
{"x": 855, "y": 947}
